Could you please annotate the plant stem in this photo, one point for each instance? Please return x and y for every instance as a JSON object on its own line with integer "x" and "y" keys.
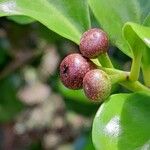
{"x": 117, "y": 78}
{"x": 122, "y": 77}
{"x": 112, "y": 71}
{"x": 116, "y": 75}
{"x": 135, "y": 86}
{"x": 105, "y": 60}
{"x": 146, "y": 75}
{"x": 135, "y": 68}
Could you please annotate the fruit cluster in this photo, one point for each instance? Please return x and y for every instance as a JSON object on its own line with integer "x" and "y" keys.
{"x": 78, "y": 71}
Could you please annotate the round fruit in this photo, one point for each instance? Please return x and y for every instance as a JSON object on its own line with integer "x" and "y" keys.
{"x": 73, "y": 68}
{"x": 97, "y": 85}
{"x": 93, "y": 43}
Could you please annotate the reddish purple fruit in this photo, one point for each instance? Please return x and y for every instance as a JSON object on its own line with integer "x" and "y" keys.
{"x": 97, "y": 85}
{"x": 93, "y": 43}
{"x": 73, "y": 68}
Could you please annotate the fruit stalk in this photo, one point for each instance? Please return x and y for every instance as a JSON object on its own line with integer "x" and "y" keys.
{"x": 135, "y": 68}
{"x": 105, "y": 60}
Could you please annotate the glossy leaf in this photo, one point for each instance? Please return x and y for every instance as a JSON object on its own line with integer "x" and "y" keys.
{"x": 65, "y": 18}
{"x": 142, "y": 32}
{"x": 123, "y": 123}
{"x": 147, "y": 20}
{"x": 138, "y": 37}
{"x": 113, "y": 14}
{"x": 21, "y": 19}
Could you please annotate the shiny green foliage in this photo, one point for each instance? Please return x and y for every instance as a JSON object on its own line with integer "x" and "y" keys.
{"x": 122, "y": 123}
{"x": 65, "y": 18}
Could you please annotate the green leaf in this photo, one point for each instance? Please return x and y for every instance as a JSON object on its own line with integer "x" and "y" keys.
{"x": 123, "y": 123}
{"x": 21, "y": 19}
{"x": 147, "y": 20}
{"x": 69, "y": 19}
{"x": 135, "y": 35}
{"x": 132, "y": 31}
{"x": 138, "y": 37}
{"x": 77, "y": 95}
{"x": 89, "y": 144}
{"x": 113, "y": 14}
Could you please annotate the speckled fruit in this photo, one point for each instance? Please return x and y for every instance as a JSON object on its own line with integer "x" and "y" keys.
{"x": 93, "y": 43}
{"x": 72, "y": 70}
{"x": 97, "y": 85}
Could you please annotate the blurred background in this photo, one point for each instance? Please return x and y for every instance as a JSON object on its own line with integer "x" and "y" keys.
{"x": 36, "y": 111}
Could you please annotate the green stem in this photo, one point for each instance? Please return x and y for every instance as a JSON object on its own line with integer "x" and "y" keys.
{"x": 135, "y": 68}
{"x": 122, "y": 77}
{"x": 112, "y": 71}
{"x": 135, "y": 86}
{"x": 117, "y": 78}
{"x": 146, "y": 75}
{"x": 105, "y": 60}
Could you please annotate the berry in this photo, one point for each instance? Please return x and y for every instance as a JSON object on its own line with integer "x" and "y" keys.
{"x": 97, "y": 85}
{"x": 73, "y": 68}
{"x": 93, "y": 43}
